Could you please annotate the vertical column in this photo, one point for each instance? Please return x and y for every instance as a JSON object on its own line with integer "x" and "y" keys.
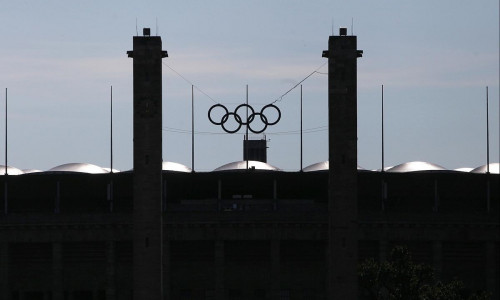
{"x": 275, "y": 269}
{"x": 491, "y": 269}
{"x": 342, "y": 57}
{"x": 147, "y": 185}
{"x": 437, "y": 258}
{"x": 219, "y": 270}
{"x": 110, "y": 271}
{"x": 57, "y": 271}
{"x": 4, "y": 271}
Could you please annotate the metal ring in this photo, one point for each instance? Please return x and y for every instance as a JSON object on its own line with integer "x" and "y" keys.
{"x": 222, "y": 119}
{"x": 250, "y": 117}
{"x": 268, "y": 106}
{"x": 237, "y": 118}
{"x": 264, "y": 120}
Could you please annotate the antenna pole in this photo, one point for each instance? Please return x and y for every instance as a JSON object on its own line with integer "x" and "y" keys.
{"x": 487, "y": 134}
{"x": 246, "y": 135}
{"x": 383, "y": 128}
{"x": 6, "y": 131}
{"x": 352, "y": 25}
{"x": 301, "y": 135}
{"x": 192, "y": 128}
{"x": 111, "y": 129}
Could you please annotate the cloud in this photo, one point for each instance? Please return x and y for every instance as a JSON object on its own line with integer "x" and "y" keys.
{"x": 454, "y": 69}
{"x": 62, "y": 69}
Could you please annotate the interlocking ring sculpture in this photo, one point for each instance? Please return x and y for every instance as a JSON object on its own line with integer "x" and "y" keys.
{"x": 239, "y": 119}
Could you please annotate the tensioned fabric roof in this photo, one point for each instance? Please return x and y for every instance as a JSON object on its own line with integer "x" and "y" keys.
{"x": 321, "y": 166}
{"x": 10, "y": 170}
{"x": 416, "y": 166}
{"x": 242, "y": 165}
{"x": 494, "y": 169}
{"x": 79, "y": 168}
{"x": 177, "y": 167}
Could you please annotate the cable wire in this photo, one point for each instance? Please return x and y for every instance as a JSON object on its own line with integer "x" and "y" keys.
{"x": 188, "y": 81}
{"x": 291, "y": 132}
{"x": 315, "y": 71}
{"x": 279, "y": 99}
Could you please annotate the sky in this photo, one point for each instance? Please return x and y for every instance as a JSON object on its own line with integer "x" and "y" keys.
{"x": 59, "y": 59}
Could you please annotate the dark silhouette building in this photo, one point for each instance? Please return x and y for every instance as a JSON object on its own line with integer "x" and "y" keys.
{"x": 342, "y": 57}
{"x": 255, "y": 149}
{"x": 147, "y": 217}
{"x": 164, "y": 232}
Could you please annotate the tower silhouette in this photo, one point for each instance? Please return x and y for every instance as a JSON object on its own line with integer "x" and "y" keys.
{"x": 147, "y": 216}
{"x": 342, "y": 153}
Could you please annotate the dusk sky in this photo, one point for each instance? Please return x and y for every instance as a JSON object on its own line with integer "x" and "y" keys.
{"x": 435, "y": 58}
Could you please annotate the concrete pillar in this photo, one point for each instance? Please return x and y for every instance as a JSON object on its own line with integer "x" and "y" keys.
{"x": 4, "y": 271}
{"x": 57, "y": 271}
{"x": 110, "y": 271}
{"x": 491, "y": 270}
{"x": 147, "y": 186}
{"x": 275, "y": 269}
{"x": 437, "y": 258}
{"x": 342, "y": 57}
{"x": 219, "y": 270}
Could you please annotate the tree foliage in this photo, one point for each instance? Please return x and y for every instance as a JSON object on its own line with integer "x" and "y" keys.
{"x": 399, "y": 278}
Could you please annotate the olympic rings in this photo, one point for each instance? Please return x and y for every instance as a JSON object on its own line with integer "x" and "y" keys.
{"x": 248, "y": 121}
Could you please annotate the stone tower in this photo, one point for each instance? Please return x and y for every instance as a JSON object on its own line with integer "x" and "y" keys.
{"x": 147, "y": 219}
{"x": 342, "y": 57}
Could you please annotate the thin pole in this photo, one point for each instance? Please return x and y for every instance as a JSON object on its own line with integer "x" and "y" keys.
{"x": 487, "y": 134}
{"x": 383, "y": 128}
{"x": 246, "y": 136}
{"x": 6, "y": 131}
{"x": 192, "y": 128}
{"x": 301, "y": 136}
{"x": 6, "y": 201}
{"x": 383, "y": 163}
{"x": 111, "y": 130}
{"x": 110, "y": 192}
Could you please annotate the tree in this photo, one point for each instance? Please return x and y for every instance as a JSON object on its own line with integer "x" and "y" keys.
{"x": 401, "y": 278}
